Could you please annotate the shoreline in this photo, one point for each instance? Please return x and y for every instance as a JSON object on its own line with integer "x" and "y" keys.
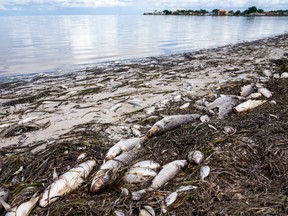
{"x": 107, "y": 92}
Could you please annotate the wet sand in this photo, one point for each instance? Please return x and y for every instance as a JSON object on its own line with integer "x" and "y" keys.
{"x": 120, "y": 93}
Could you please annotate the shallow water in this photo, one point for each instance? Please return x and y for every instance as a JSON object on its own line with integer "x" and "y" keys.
{"x": 50, "y": 43}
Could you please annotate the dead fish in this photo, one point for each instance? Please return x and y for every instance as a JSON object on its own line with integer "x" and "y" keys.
{"x": 195, "y": 157}
{"x": 147, "y": 211}
{"x": 204, "y": 172}
{"x": 81, "y": 156}
{"x": 147, "y": 164}
{"x": 171, "y": 198}
{"x": 109, "y": 170}
{"x": 184, "y": 106}
{"x": 139, "y": 175}
{"x": 226, "y": 108}
{"x": 204, "y": 119}
{"x": 219, "y": 101}
{"x": 248, "y": 105}
{"x": 149, "y": 110}
{"x": 124, "y": 145}
{"x": 170, "y": 123}
{"x": 115, "y": 107}
{"x": 67, "y": 182}
{"x": 168, "y": 172}
{"x": 136, "y": 132}
{"x": 229, "y": 130}
{"x": 186, "y": 188}
{"x": 246, "y": 90}
{"x": 4, "y": 195}
{"x": 254, "y": 95}
{"x": 142, "y": 171}
{"x": 204, "y": 109}
{"x": 265, "y": 92}
{"x": 23, "y": 209}
{"x": 119, "y": 213}
{"x": 135, "y": 102}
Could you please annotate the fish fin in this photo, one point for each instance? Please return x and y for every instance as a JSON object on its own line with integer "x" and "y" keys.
{"x": 55, "y": 174}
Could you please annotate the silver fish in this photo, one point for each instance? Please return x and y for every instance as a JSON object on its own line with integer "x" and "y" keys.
{"x": 246, "y": 90}
{"x": 219, "y": 101}
{"x": 204, "y": 172}
{"x": 142, "y": 171}
{"x": 195, "y": 157}
{"x": 265, "y": 92}
{"x": 109, "y": 170}
{"x": 134, "y": 178}
{"x": 168, "y": 172}
{"x": 147, "y": 211}
{"x": 170, "y": 123}
{"x": 171, "y": 198}
{"x": 226, "y": 108}
{"x": 254, "y": 95}
{"x": 67, "y": 182}
{"x": 148, "y": 164}
{"x": 23, "y": 209}
{"x": 124, "y": 145}
{"x": 4, "y": 195}
{"x": 248, "y": 105}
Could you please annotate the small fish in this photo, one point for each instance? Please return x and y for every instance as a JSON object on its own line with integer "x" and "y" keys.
{"x": 136, "y": 132}
{"x": 204, "y": 119}
{"x": 168, "y": 172}
{"x": 219, "y": 101}
{"x": 135, "y": 102}
{"x": 23, "y": 209}
{"x": 246, "y": 90}
{"x": 170, "y": 123}
{"x": 115, "y": 107}
{"x": 134, "y": 178}
{"x": 204, "y": 172}
{"x": 67, "y": 182}
{"x": 142, "y": 171}
{"x": 124, "y": 145}
{"x": 226, "y": 108}
{"x": 184, "y": 106}
{"x": 186, "y": 188}
{"x": 195, "y": 157}
{"x": 81, "y": 156}
{"x": 147, "y": 164}
{"x": 254, "y": 95}
{"x": 149, "y": 110}
{"x": 171, "y": 198}
{"x": 147, "y": 211}
{"x": 248, "y": 105}
{"x": 265, "y": 92}
{"x": 4, "y": 195}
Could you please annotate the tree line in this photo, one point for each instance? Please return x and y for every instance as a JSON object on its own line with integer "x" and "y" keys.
{"x": 249, "y": 11}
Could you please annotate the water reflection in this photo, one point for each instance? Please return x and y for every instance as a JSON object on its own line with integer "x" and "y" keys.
{"x": 35, "y": 44}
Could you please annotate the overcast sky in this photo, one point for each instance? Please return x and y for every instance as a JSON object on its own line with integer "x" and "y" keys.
{"x": 38, "y": 7}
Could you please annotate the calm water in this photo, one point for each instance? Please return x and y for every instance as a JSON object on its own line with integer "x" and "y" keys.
{"x": 49, "y": 43}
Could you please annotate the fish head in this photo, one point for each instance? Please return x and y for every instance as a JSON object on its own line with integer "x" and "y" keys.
{"x": 153, "y": 131}
{"x": 113, "y": 152}
{"x": 100, "y": 182}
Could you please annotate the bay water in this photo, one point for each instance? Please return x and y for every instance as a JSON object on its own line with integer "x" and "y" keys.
{"x": 40, "y": 44}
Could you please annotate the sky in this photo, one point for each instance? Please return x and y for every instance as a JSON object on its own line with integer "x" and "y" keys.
{"x": 52, "y": 7}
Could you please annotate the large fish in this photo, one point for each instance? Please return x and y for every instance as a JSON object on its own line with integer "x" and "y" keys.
{"x": 23, "y": 209}
{"x": 109, "y": 170}
{"x": 67, "y": 182}
{"x": 219, "y": 101}
{"x": 248, "y": 105}
{"x": 124, "y": 145}
{"x": 168, "y": 172}
{"x": 170, "y": 123}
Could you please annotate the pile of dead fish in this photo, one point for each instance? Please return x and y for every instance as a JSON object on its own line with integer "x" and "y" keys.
{"x": 147, "y": 172}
